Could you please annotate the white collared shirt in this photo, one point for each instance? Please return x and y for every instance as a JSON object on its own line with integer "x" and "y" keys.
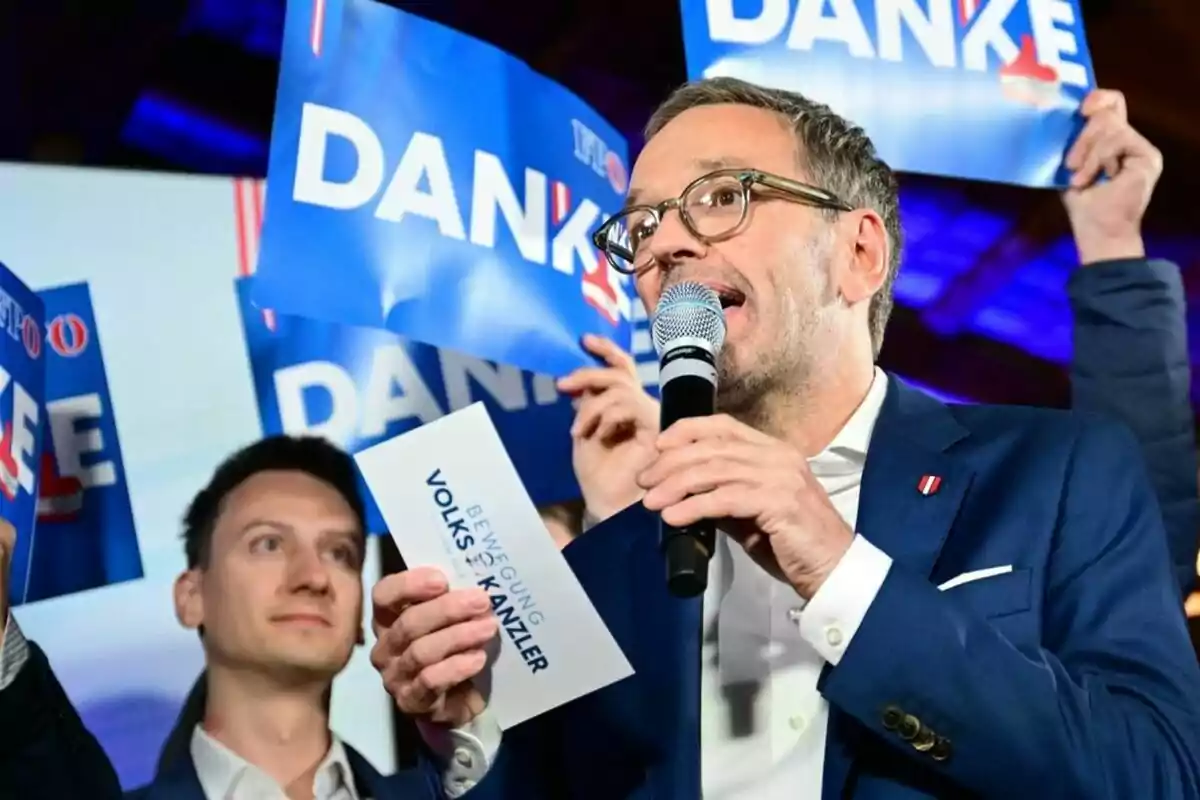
{"x": 224, "y": 775}
{"x": 767, "y": 637}
{"x": 763, "y": 722}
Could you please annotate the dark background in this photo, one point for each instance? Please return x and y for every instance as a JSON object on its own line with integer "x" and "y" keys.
{"x": 188, "y": 85}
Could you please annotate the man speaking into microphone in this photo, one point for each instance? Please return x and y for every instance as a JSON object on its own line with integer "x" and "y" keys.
{"x": 977, "y": 600}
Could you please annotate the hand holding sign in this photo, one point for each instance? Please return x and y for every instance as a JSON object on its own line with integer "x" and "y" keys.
{"x": 430, "y": 644}
{"x": 454, "y": 503}
{"x": 1106, "y": 216}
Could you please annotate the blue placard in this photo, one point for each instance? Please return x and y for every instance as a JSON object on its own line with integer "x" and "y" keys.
{"x": 360, "y": 386}
{"x": 22, "y": 389}
{"x": 982, "y": 89}
{"x": 428, "y": 183}
{"x": 85, "y": 531}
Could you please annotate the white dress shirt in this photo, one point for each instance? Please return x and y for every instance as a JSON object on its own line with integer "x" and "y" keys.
{"x": 769, "y": 650}
{"x": 224, "y": 775}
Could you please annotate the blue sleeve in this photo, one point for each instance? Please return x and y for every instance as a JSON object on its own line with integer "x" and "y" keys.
{"x": 1107, "y": 708}
{"x": 636, "y": 738}
{"x": 1131, "y": 363}
{"x": 45, "y": 750}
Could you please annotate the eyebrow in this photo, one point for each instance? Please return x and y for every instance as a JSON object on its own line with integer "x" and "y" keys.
{"x": 725, "y": 162}
{"x": 264, "y": 523}
{"x": 702, "y": 165}
{"x": 353, "y": 534}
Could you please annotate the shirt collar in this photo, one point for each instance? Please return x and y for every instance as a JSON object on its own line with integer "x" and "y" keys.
{"x": 851, "y": 442}
{"x": 220, "y": 769}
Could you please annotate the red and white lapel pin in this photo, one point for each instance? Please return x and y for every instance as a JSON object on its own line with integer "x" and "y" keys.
{"x": 929, "y": 484}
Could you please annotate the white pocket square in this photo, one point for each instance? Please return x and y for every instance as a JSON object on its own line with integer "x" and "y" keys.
{"x": 976, "y": 575}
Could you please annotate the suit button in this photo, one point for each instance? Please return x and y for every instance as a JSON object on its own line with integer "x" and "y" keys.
{"x": 941, "y": 749}
{"x": 910, "y": 726}
{"x": 925, "y": 739}
{"x": 891, "y": 718}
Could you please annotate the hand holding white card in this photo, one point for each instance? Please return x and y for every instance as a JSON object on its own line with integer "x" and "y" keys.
{"x": 452, "y": 500}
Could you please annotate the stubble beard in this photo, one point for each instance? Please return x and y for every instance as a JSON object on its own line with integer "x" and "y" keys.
{"x": 780, "y": 381}
{"x": 781, "y": 377}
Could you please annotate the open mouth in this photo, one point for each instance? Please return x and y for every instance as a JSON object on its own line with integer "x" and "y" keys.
{"x": 730, "y": 297}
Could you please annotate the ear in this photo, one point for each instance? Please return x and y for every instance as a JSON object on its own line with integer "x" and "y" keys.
{"x": 189, "y": 600}
{"x": 869, "y": 257}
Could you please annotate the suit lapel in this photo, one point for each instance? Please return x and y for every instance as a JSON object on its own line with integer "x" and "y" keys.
{"x": 178, "y": 782}
{"x": 911, "y": 492}
{"x": 367, "y": 780}
{"x": 410, "y": 784}
{"x": 912, "y": 487}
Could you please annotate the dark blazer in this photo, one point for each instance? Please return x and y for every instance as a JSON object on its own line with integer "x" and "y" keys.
{"x": 1070, "y": 677}
{"x": 46, "y": 753}
{"x": 1131, "y": 363}
{"x": 178, "y": 781}
{"x": 45, "y": 750}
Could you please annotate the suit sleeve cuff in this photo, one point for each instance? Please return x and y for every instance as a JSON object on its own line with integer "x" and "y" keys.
{"x": 464, "y": 754}
{"x": 14, "y": 652}
{"x": 836, "y": 611}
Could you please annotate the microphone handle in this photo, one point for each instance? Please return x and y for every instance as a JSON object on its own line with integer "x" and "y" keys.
{"x": 687, "y": 388}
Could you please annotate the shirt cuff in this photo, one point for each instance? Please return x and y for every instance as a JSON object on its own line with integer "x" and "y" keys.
{"x": 465, "y": 754}
{"x": 13, "y": 653}
{"x": 836, "y": 611}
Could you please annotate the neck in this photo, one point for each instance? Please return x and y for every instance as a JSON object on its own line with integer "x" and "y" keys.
{"x": 284, "y": 731}
{"x": 810, "y": 417}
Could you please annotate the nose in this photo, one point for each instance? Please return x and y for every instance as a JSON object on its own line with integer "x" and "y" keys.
{"x": 308, "y": 572}
{"x": 672, "y": 242}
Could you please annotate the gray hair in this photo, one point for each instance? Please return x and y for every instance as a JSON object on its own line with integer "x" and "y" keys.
{"x": 836, "y": 155}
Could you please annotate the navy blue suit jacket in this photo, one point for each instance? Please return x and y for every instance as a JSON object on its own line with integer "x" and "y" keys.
{"x": 179, "y": 781}
{"x": 1069, "y": 677}
{"x": 1131, "y": 363}
{"x": 46, "y": 753}
{"x": 45, "y": 750}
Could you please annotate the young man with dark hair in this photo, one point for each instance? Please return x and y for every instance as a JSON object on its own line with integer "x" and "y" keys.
{"x": 273, "y": 584}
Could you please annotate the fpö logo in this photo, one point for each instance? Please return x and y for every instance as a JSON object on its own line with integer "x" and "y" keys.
{"x": 21, "y": 327}
{"x": 591, "y": 150}
{"x": 68, "y": 335}
{"x": 547, "y": 223}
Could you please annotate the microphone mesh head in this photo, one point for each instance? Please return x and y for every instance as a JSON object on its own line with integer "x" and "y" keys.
{"x": 688, "y": 311}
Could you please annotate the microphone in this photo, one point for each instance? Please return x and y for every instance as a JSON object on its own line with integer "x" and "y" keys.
{"x": 688, "y": 330}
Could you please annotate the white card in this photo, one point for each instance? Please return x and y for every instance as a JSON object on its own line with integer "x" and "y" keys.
{"x": 452, "y": 499}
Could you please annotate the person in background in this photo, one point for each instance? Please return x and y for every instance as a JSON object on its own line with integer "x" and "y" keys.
{"x": 1130, "y": 358}
{"x": 966, "y": 599}
{"x": 45, "y": 750}
{"x": 275, "y": 546}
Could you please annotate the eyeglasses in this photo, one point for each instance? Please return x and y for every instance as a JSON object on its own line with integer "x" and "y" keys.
{"x": 712, "y": 207}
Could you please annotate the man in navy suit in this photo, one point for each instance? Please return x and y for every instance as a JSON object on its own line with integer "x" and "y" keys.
{"x": 936, "y": 601}
{"x": 275, "y": 547}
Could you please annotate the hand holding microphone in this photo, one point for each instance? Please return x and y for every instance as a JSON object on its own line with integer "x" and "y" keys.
{"x": 713, "y": 470}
